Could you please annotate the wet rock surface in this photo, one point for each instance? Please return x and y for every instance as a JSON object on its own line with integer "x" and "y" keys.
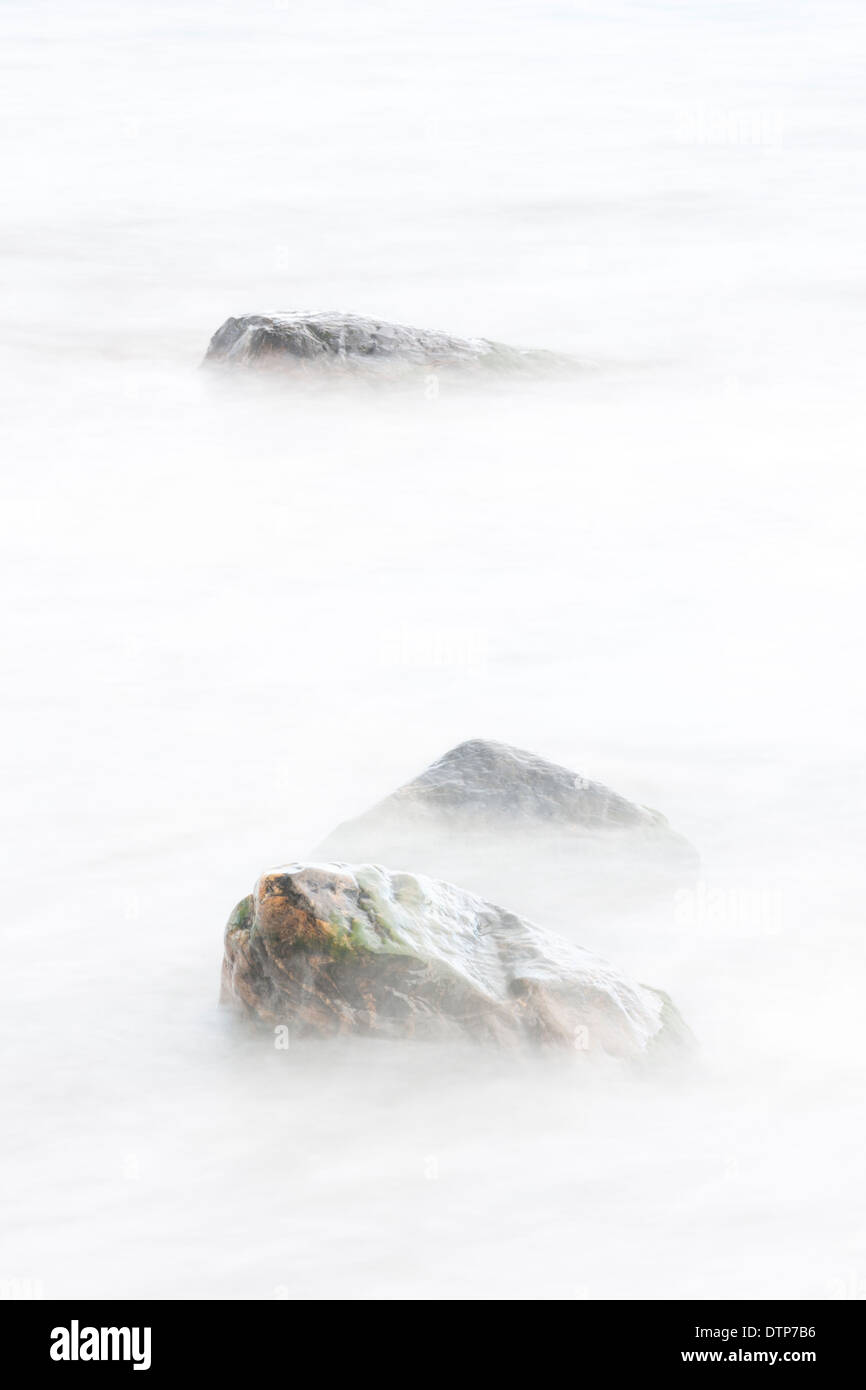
{"x": 299, "y": 342}
{"x": 328, "y": 949}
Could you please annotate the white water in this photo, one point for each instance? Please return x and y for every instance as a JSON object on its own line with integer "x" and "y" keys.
{"x": 233, "y": 621}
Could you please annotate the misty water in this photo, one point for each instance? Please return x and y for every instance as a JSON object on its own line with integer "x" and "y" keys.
{"x": 234, "y": 618}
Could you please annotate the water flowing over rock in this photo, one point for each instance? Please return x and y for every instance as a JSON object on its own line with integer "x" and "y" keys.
{"x": 328, "y": 949}
{"x": 514, "y": 827}
{"x": 306, "y": 343}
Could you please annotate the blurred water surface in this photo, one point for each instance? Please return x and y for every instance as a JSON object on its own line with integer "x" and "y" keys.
{"x": 234, "y": 618}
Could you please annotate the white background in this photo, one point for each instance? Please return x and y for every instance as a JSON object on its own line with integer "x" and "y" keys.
{"x": 232, "y": 621}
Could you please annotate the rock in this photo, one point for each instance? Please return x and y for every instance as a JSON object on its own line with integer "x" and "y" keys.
{"x": 329, "y": 949}
{"x": 482, "y": 783}
{"x": 514, "y": 827}
{"x": 351, "y": 344}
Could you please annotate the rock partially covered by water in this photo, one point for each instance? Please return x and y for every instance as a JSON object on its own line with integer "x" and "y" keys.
{"x": 482, "y": 783}
{"x": 512, "y": 826}
{"x": 330, "y": 949}
{"x": 346, "y": 342}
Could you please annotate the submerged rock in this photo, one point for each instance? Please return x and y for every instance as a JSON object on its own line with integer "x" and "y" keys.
{"x": 512, "y": 826}
{"x": 304, "y": 342}
{"x": 331, "y": 949}
{"x": 482, "y": 783}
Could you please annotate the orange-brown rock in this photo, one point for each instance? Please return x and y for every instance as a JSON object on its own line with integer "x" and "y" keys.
{"x": 330, "y": 949}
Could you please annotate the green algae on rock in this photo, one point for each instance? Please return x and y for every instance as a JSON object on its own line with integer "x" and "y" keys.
{"x": 330, "y": 949}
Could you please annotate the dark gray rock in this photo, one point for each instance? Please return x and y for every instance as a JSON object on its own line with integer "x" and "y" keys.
{"x": 346, "y": 342}
{"x": 516, "y": 828}
{"x": 329, "y": 949}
